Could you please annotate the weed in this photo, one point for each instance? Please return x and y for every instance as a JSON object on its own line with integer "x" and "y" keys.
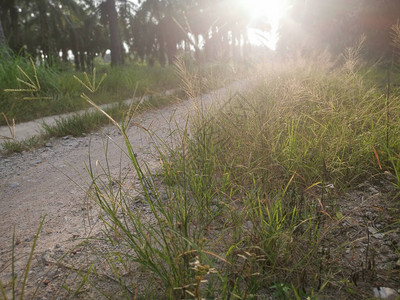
{"x": 17, "y": 287}
{"x": 14, "y": 146}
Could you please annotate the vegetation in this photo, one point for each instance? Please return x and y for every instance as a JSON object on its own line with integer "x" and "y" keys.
{"x": 40, "y": 102}
{"x": 247, "y": 204}
{"x": 53, "y": 31}
{"x": 59, "y": 91}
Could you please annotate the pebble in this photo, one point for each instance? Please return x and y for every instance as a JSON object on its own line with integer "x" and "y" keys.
{"x": 14, "y": 185}
{"x": 385, "y": 293}
{"x": 375, "y": 233}
{"x": 249, "y": 225}
{"x": 373, "y": 190}
{"x": 48, "y": 145}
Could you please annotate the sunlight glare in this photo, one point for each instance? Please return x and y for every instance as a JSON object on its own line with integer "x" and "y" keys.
{"x": 270, "y": 12}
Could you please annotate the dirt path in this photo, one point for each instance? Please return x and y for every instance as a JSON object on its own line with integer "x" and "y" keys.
{"x": 41, "y": 182}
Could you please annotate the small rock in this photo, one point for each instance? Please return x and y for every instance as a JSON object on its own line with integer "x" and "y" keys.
{"x": 248, "y": 225}
{"x": 373, "y": 190}
{"x": 66, "y": 137}
{"x": 14, "y": 185}
{"x": 44, "y": 257}
{"x": 378, "y": 236}
{"x": 36, "y": 162}
{"x": 48, "y": 145}
{"x": 385, "y": 293}
{"x": 375, "y": 233}
{"x": 27, "y": 240}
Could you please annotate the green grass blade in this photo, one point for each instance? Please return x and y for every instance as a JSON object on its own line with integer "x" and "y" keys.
{"x": 28, "y": 264}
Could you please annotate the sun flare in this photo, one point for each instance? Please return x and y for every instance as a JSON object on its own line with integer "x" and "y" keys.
{"x": 263, "y": 14}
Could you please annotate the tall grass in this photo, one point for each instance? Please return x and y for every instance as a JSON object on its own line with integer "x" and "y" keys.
{"x": 324, "y": 126}
{"x": 243, "y": 208}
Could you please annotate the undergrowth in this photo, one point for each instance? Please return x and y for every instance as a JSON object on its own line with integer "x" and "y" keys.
{"x": 241, "y": 207}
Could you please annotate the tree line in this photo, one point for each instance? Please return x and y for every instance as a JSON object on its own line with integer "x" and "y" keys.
{"x": 155, "y": 30}
{"x": 151, "y": 30}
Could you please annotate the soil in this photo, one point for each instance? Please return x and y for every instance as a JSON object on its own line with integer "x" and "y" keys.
{"x": 52, "y": 182}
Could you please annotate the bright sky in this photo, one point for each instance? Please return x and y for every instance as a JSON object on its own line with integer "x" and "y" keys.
{"x": 270, "y": 12}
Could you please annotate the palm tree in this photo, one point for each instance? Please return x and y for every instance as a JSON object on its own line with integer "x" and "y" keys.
{"x": 109, "y": 12}
{"x": 9, "y": 18}
{"x": 2, "y": 37}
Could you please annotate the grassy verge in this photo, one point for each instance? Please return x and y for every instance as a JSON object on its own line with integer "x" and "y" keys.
{"x": 204, "y": 77}
{"x": 80, "y": 124}
{"x": 62, "y": 92}
{"x": 245, "y": 207}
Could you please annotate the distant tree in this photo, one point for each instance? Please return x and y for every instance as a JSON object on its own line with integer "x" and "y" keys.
{"x": 109, "y": 12}
{"x": 2, "y": 37}
{"x": 9, "y": 18}
{"x": 212, "y": 29}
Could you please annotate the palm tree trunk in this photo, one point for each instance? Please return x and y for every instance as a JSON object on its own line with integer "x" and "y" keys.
{"x": 4, "y": 50}
{"x": 115, "y": 39}
{"x": 2, "y": 37}
{"x": 3, "y": 43}
{"x": 44, "y": 28}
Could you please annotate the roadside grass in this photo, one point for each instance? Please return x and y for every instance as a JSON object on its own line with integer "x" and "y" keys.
{"x": 79, "y": 125}
{"x": 243, "y": 208}
{"x": 82, "y": 124}
{"x": 13, "y": 146}
{"x": 62, "y": 91}
{"x": 204, "y": 76}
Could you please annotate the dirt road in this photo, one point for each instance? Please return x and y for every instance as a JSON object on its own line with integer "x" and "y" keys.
{"x": 53, "y": 181}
